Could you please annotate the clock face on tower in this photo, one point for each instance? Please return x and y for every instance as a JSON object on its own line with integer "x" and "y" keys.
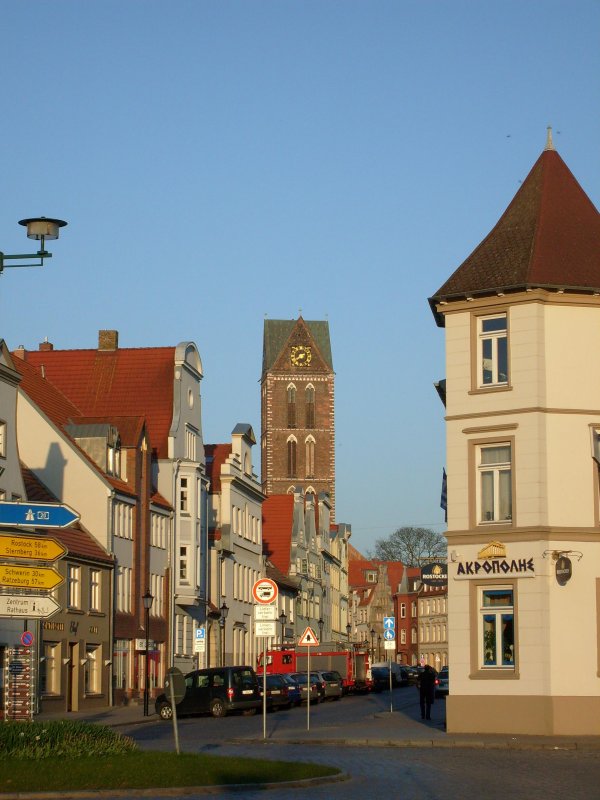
{"x": 300, "y": 355}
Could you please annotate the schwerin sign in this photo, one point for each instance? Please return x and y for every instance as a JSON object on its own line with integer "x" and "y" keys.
{"x": 496, "y": 567}
{"x": 19, "y": 577}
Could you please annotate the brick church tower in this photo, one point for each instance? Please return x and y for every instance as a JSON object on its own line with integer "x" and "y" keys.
{"x": 297, "y": 408}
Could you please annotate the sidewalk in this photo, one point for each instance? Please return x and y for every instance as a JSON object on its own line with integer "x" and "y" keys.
{"x": 399, "y": 728}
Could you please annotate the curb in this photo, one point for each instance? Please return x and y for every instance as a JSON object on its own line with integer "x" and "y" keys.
{"x": 477, "y": 744}
{"x": 169, "y": 791}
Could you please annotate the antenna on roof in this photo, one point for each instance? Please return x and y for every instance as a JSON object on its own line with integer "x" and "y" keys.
{"x": 549, "y": 143}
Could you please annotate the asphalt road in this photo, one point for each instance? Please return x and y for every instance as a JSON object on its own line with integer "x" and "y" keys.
{"x": 416, "y": 773}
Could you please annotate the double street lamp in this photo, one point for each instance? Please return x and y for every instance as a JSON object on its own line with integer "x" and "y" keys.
{"x": 348, "y": 630}
{"x": 148, "y": 600}
{"x": 40, "y": 229}
{"x": 372, "y": 632}
{"x": 222, "y": 618}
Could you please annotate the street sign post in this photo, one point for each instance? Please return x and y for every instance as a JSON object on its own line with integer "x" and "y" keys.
{"x": 28, "y": 547}
{"x": 389, "y": 643}
{"x": 37, "y": 515}
{"x": 308, "y": 640}
{"x": 28, "y": 606}
{"x": 18, "y": 577}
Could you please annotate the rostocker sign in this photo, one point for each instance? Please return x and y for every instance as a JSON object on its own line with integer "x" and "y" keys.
{"x": 435, "y": 574}
{"x": 496, "y": 567}
{"x": 564, "y": 570}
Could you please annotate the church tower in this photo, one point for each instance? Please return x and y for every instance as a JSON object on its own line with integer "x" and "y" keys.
{"x": 297, "y": 409}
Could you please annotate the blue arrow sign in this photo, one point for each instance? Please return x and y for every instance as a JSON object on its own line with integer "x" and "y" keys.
{"x": 389, "y": 635}
{"x": 37, "y": 515}
{"x": 389, "y": 622}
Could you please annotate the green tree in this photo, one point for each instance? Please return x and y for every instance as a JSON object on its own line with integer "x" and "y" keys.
{"x": 413, "y": 546}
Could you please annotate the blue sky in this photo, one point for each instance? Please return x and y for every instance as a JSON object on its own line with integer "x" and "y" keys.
{"x": 222, "y": 161}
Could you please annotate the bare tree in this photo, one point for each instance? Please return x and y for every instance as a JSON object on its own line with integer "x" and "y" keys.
{"x": 413, "y": 546}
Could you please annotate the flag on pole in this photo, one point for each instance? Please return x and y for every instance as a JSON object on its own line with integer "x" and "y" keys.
{"x": 444, "y": 497}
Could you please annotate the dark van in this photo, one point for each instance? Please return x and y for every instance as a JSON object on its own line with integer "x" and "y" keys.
{"x": 215, "y": 691}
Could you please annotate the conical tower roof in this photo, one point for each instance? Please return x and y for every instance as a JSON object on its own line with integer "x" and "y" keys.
{"x": 548, "y": 237}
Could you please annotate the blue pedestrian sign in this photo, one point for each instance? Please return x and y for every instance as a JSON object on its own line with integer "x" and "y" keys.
{"x": 36, "y": 515}
{"x": 389, "y": 623}
{"x": 389, "y": 636}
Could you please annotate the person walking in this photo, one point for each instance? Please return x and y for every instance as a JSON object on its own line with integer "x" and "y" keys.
{"x": 426, "y": 686}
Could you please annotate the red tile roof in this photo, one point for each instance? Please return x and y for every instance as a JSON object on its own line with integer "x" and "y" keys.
{"x": 45, "y": 394}
{"x": 121, "y": 382}
{"x": 278, "y": 521}
{"x": 216, "y": 456}
{"x": 78, "y": 541}
{"x": 549, "y": 236}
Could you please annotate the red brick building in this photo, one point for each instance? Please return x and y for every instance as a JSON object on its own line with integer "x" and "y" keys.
{"x": 297, "y": 409}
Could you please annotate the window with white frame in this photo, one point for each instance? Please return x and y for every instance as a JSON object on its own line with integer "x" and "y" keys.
{"x": 92, "y": 676}
{"x": 73, "y": 586}
{"x": 121, "y": 662}
{"x": 495, "y": 483}
{"x": 95, "y": 598}
{"x": 403, "y": 610}
{"x": 497, "y": 627}
{"x": 184, "y": 499}
{"x": 492, "y": 350}
{"x": 402, "y": 636}
{"x": 183, "y": 563}
{"x": 2, "y": 439}
{"x": 413, "y": 636}
{"x": 190, "y": 443}
{"x": 124, "y": 589}
{"x": 50, "y": 669}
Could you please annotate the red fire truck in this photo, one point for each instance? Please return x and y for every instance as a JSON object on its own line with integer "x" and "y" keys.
{"x": 352, "y": 663}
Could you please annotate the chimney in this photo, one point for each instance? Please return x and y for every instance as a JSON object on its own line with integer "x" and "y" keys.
{"x": 108, "y": 340}
{"x": 20, "y": 352}
{"x": 46, "y": 345}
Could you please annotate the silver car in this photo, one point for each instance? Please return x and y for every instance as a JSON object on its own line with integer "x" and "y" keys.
{"x": 332, "y": 683}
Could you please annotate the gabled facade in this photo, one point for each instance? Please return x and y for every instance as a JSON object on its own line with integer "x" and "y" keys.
{"x": 235, "y": 533}
{"x": 297, "y": 409}
{"x": 162, "y": 386}
{"x": 522, "y": 323}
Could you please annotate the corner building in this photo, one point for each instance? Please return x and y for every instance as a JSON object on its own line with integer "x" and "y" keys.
{"x": 297, "y": 409}
{"x": 522, "y": 327}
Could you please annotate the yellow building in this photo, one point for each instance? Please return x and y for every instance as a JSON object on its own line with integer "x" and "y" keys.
{"x": 522, "y": 322}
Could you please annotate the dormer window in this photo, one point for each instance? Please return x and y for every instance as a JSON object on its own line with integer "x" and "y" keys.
{"x": 113, "y": 458}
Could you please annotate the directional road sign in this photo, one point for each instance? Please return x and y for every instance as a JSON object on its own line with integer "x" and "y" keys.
{"x": 28, "y": 606}
{"x": 12, "y": 546}
{"x": 19, "y": 577}
{"x": 37, "y": 515}
{"x": 389, "y": 622}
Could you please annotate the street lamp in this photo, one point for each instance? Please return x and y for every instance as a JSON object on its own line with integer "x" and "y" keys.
{"x": 39, "y": 228}
{"x": 222, "y": 618}
{"x": 348, "y": 630}
{"x": 321, "y": 623}
{"x": 372, "y": 632}
{"x": 282, "y": 621}
{"x": 379, "y": 648}
{"x": 148, "y": 600}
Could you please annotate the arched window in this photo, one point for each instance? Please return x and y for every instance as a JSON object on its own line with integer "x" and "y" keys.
{"x": 310, "y": 406}
{"x": 291, "y": 456}
{"x": 310, "y": 456}
{"x": 291, "y": 406}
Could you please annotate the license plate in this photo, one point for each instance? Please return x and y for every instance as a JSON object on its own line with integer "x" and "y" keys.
{"x": 247, "y": 691}
{"x": 333, "y": 684}
{"x": 275, "y": 691}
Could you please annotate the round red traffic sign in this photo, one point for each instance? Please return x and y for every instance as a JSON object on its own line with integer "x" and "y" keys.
{"x": 27, "y": 639}
{"x": 265, "y": 591}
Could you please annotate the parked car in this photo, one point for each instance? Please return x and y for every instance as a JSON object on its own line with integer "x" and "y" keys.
{"x": 399, "y": 673}
{"x": 215, "y": 691}
{"x": 414, "y": 673}
{"x": 294, "y": 692}
{"x": 317, "y": 690}
{"x": 277, "y": 692}
{"x": 442, "y": 683}
{"x": 332, "y": 683}
{"x": 380, "y": 679}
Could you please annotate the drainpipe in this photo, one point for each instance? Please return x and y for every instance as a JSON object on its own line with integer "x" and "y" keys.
{"x": 172, "y": 631}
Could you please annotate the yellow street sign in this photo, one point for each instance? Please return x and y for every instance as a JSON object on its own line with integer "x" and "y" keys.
{"x": 15, "y": 546}
{"x": 20, "y": 577}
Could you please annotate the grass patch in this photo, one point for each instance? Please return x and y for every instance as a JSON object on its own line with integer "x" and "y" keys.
{"x": 141, "y": 770}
